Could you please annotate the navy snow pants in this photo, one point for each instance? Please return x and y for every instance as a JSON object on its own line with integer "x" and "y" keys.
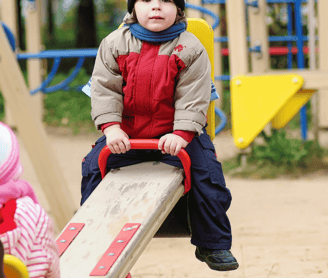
{"x": 208, "y": 199}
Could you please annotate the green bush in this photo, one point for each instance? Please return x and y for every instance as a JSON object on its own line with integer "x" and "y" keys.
{"x": 280, "y": 150}
{"x": 279, "y": 154}
{"x": 69, "y": 108}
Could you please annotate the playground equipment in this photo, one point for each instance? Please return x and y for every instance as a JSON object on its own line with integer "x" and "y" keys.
{"x": 138, "y": 200}
{"x": 240, "y": 66}
{"x": 32, "y": 132}
{"x": 259, "y": 108}
{"x": 8, "y": 14}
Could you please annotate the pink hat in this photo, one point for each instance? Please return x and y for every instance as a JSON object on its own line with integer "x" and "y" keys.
{"x": 10, "y": 168}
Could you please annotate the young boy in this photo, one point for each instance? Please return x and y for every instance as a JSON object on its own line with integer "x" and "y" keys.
{"x": 151, "y": 79}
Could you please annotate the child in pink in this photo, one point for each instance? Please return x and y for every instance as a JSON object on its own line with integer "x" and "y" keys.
{"x": 26, "y": 231}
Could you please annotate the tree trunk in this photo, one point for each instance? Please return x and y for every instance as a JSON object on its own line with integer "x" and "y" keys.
{"x": 50, "y": 18}
{"x": 21, "y": 27}
{"x": 86, "y": 36}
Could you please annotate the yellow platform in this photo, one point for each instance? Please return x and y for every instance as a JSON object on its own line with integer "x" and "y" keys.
{"x": 258, "y": 100}
{"x": 291, "y": 108}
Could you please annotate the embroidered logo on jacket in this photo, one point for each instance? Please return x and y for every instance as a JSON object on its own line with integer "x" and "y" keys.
{"x": 179, "y": 48}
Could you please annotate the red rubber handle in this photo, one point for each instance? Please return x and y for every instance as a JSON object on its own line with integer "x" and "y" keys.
{"x": 147, "y": 144}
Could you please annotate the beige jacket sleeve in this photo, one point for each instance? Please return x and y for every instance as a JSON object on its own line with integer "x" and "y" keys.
{"x": 193, "y": 91}
{"x": 106, "y": 87}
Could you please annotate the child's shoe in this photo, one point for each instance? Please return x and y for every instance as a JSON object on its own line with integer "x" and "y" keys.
{"x": 221, "y": 260}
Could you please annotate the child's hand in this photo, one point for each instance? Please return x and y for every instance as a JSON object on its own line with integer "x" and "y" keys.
{"x": 171, "y": 144}
{"x": 117, "y": 140}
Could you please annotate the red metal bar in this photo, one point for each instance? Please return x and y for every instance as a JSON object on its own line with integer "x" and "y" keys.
{"x": 68, "y": 235}
{"x": 115, "y": 249}
{"x": 275, "y": 50}
{"x": 148, "y": 144}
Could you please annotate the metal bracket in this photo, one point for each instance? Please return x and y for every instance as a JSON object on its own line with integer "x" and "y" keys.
{"x": 68, "y": 235}
{"x": 115, "y": 249}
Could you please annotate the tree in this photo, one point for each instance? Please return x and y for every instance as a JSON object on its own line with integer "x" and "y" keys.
{"x": 86, "y": 32}
{"x": 21, "y": 29}
{"x": 50, "y": 18}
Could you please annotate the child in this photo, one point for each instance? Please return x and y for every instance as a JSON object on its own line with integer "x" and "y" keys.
{"x": 151, "y": 79}
{"x": 26, "y": 231}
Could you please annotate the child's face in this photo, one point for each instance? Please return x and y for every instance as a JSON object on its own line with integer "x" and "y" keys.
{"x": 155, "y": 15}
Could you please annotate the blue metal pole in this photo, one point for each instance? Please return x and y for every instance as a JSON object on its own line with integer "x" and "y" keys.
{"x": 300, "y": 61}
{"x": 290, "y": 33}
{"x": 223, "y": 119}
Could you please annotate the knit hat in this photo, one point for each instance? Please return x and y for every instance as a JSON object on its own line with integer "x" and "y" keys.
{"x": 179, "y": 3}
{"x": 10, "y": 168}
{"x": 11, "y": 187}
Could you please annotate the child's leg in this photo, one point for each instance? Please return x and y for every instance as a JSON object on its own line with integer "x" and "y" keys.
{"x": 209, "y": 198}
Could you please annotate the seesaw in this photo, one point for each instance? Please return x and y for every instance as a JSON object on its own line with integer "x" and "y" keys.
{"x": 110, "y": 231}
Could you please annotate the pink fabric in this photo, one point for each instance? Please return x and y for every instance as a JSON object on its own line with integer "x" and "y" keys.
{"x": 9, "y": 165}
{"x": 31, "y": 238}
{"x": 10, "y": 169}
{"x": 16, "y": 189}
{"x": 32, "y": 241}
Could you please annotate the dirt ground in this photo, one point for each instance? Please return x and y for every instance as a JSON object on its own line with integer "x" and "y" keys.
{"x": 280, "y": 227}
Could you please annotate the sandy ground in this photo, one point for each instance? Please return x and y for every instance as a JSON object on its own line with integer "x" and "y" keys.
{"x": 280, "y": 227}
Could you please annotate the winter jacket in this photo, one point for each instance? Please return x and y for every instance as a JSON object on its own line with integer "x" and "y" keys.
{"x": 27, "y": 232}
{"x": 151, "y": 88}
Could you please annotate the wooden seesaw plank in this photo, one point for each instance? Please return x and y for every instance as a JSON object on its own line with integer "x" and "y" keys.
{"x": 33, "y": 134}
{"x": 144, "y": 193}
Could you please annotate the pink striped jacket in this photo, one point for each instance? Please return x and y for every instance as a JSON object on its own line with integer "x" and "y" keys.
{"x": 32, "y": 240}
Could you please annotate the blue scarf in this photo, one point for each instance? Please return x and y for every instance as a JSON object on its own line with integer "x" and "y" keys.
{"x": 168, "y": 34}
